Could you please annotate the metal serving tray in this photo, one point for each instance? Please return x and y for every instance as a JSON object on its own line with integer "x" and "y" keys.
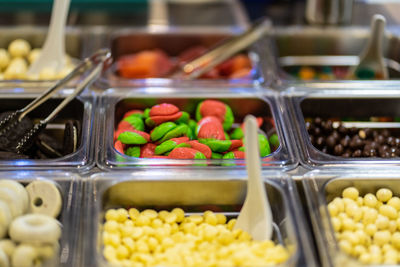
{"x": 357, "y": 99}
{"x": 320, "y": 187}
{"x": 114, "y": 102}
{"x": 328, "y": 46}
{"x": 35, "y": 36}
{"x": 81, "y": 108}
{"x": 70, "y": 189}
{"x": 188, "y": 189}
{"x": 173, "y": 42}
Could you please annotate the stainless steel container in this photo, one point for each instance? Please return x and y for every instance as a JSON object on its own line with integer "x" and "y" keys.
{"x": 81, "y": 109}
{"x": 188, "y": 189}
{"x": 321, "y": 47}
{"x": 35, "y": 36}
{"x": 173, "y": 42}
{"x": 70, "y": 189}
{"x": 320, "y": 187}
{"x": 336, "y": 100}
{"x": 114, "y": 102}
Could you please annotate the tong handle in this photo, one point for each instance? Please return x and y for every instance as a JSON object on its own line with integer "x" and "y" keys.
{"x": 219, "y": 54}
{"x": 99, "y": 57}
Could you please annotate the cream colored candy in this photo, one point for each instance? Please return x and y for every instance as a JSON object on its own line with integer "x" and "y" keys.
{"x": 12, "y": 200}
{"x": 5, "y": 218}
{"x": 44, "y": 198}
{"x": 8, "y": 246}
{"x": 25, "y": 255}
{"x": 33, "y": 228}
{"x": 4, "y": 261}
{"x": 19, "y": 48}
{"x": 4, "y": 58}
{"x": 16, "y": 69}
{"x": 19, "y": 190}
{"x": 34, "y": 55}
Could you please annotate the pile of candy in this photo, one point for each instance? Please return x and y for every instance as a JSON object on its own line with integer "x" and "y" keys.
{"x": 27, "y": 217}
{"x": 14, "y": 63}
{"x": 172, "y": 134}
{"x": 156, "y": 64}
{"x": 151, "y": 238}
{"x": 368, "y": 227}
{"x": 352, "y": 142}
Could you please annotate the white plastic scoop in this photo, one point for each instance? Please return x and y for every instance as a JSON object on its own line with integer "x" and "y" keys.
{"x": 372, "y": 64}
{"x": 53, "y": 51}
{"x": 255, "y": 216}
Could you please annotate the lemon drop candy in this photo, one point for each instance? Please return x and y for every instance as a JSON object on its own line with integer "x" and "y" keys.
{"x": 16, "y": 69}
{"x": 19, "y": 48}
{"x": 384, "y": 194}
{"x": 34, "y": 55}
{"x": 351, "y": 193}
{"x": 4, "y": 59}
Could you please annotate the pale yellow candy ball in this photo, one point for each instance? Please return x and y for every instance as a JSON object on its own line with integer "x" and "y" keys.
{"x": 4, "y": 58}
{"x": 19, "y": 48}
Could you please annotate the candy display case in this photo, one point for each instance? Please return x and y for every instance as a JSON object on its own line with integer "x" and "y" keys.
{"x": 166, "y": 48}
{"x": 321, "y": 187}
{"x": 69, "y": 186}
{"x": 327, "y": 53}
{"x": 35, "y": 36}
{"x": 66, "y": 143}
{"x": 194, "y": 192}
{"x": 359, "y": 124}
{"x": 115, "y": 102}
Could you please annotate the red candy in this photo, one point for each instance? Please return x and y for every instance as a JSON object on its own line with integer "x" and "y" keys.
{"x": 147, "y": 150}
{"x": 235, "y": 144}
{"x": 183, "y": 153}
{"x": 211, "y": 127}
{"x": 123, "y": 126}
{"x": 163, "y": 110}
{"x": 119, "y": 147}
{"x": 134, "y": 111}
{"x": 239, "y": 154}
{"x": 201, "y": 147}
{"x": 180, "y": 140}
{"x": 159, "y": 157}
{"x": 161, "y": 119}
{"x": 213, "y": 108}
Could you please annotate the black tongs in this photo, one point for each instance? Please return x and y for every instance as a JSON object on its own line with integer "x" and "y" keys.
{"x": 201, "y": 65}
{"x": 18, "y": 137}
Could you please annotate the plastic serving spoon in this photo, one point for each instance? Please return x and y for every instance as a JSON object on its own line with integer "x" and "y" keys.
{"x": 255, "y": 216}
{"x": 53, "y": 52}
{"x": 372, "y": 64}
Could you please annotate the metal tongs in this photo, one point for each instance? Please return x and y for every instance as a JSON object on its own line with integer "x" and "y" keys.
{"x": 25, "y": 139}
{"x": 222, "y": 52}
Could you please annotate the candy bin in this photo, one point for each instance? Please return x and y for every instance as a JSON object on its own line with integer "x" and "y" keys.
{"x": 65, "y": 143}
{"x": 189, "y": 130}
{"x": 354, "y": 216}
{"x": 354, "y": 125}
{"x": 179, "y": 207}
{"x": 39, "y": 212}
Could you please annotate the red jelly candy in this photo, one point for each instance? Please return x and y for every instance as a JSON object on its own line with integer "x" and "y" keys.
{"x": 213, "y": 108}
{"x": 239, "y": 154}
{"x": 180, "y": 140}
{"x": 119, "y": 147}
{"x": 201, "y": 147}
{"x": 147, "y": 150}
{"x": 134, "y": 111}
{"x": 183, "y": 153}
{"x": 161, "y": 119}
{"x": 210, "y": 128}
{"x": 235, "y": 144}
{"x": 163, "y": 110}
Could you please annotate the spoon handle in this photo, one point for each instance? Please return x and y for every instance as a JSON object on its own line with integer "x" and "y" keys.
{"x": 375, "y": 43}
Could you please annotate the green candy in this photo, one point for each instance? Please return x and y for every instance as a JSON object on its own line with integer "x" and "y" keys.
{"x": 274, "y": 140}
{"x": 215, "y": 155}
{"x": 216, "y": 145}
{"x": 229, "y": 118}
{"x": 135, "y": 121}
{"x": 184, "y": 118}
{"x": 237, "y": 134}
{"x": 146, "y": 113}
{"x": 161, "y": 130}
{"x": 264, "y": 145}
{"x": 241, "y": 149}
{"x": 227, "y": 136}
{"x": 131, "y": 138}
{"x": 199, "y": 155}
{"x": 133, "y": 151}
{"x": 229, "y": 155}
{"x": 149, "y": 122}
{"x": 182, "y": 145}
{"x": 165, "y": 147}
{"x": 190, "y": 134}
{"x": 178, "y": 131}
{"x": 192, "y": 125}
